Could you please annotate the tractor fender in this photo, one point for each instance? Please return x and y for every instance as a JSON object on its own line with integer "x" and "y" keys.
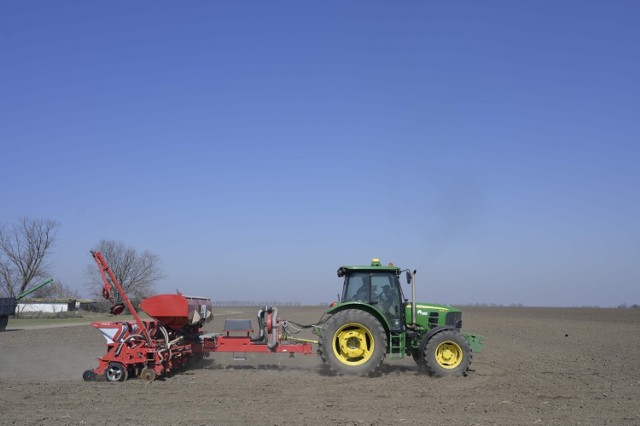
{"x": 433, "y": 332}
{"x": 362, "y": 307}
{"x": 476, "y": 343}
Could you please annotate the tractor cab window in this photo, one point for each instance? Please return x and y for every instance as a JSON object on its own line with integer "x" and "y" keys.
{"x": 377, "y": 288}
{"x": 356, "y": 287}
{"x": 385, "y": 292}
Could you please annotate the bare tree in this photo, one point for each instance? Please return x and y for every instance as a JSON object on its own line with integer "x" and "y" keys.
{"x": 23, "y": 250}
{"x": 136, "y": 273}
{"x": 56, "y": 290}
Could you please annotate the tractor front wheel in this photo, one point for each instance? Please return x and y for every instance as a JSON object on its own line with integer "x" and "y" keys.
{"x": 418, "y": 358}
{"x": 447, "y": 353}
{"x": 353, "y": 342}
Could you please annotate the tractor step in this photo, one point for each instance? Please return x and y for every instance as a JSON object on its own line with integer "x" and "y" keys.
{"x": 397, "y": 345}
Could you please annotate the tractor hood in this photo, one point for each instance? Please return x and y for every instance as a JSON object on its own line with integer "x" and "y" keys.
{"x": 430, "y": 315}
{"x": 432, "y": 307}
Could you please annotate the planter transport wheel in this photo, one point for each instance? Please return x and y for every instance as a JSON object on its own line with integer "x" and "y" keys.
{"x": 116, "y": 372}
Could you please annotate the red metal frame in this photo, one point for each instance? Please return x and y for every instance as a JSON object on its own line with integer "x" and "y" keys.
{"x": 244, "y": 344}
{"x": 153, "y": 349}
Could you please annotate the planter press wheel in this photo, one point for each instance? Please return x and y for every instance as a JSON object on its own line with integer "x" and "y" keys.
{"x": 89, "y": 376}
{"x": 148, "y": 374}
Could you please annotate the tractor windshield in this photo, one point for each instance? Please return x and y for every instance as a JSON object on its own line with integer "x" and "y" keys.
{"x": 377, "y": 288}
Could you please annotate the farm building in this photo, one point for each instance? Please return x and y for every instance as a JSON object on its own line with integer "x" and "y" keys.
{"x": 46, "y": 305}
{"x": 86, "y": 305}
{"x": 56, "y": 305}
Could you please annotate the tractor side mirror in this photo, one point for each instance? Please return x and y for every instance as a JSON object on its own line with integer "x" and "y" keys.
{"x": 408, "y": 277}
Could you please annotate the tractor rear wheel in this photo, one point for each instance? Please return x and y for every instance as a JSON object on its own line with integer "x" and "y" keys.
{"x": 447, "y": 353}
{"x": 353, "y": 342}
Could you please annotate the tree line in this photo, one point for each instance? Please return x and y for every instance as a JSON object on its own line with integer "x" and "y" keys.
{"x": 253, "y": 303}
{"x": 26, "y": 245}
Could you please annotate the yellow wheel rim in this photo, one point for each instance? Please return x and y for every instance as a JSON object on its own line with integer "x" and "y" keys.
{"x": 353, "y": 344}
{"x": 449, "y": 354}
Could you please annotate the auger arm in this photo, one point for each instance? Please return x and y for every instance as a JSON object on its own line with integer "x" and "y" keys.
{"x": 109, "y": 280}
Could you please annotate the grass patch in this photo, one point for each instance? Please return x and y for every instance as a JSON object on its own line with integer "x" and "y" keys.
{"x": 50, "y": 315}
{"x": 81, "y": 318}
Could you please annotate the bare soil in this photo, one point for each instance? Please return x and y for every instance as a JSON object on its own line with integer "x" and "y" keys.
{"x": 540, "y": 366}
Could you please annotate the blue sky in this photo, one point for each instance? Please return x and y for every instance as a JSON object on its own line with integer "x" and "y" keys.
{"x": 257, "y": 146}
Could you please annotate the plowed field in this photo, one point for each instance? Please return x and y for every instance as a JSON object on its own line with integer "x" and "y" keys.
{"x": 540, "y": 366}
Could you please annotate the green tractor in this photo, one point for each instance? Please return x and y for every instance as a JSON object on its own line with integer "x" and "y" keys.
{"x": 374, "y": 319}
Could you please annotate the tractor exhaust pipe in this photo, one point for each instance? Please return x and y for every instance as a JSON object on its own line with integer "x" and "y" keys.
{"x": 411, "y": 279}
{"x": 413, "y": 298}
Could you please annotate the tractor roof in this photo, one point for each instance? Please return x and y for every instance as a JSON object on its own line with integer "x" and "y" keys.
{"x": 375, "y": 266}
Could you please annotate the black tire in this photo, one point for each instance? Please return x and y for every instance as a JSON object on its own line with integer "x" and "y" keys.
{"x": 353, "y": 342}
{"x": 446, "y": 353}
{"x": 4, "y": 320}
{"x": 89, "y": 376}
{"x": 418, "y": 358}
{"x": 133, "y": 371}
{"x": 116, "y": 372}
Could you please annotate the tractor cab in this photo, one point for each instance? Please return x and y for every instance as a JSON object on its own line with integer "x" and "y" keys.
{"x": 375, "y": 285}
